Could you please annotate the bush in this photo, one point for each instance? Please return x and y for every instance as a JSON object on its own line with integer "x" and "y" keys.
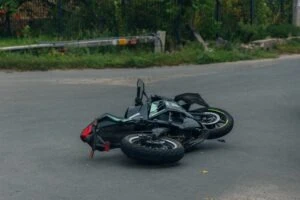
{"x": 248, "y": 32}
{"x": 283, "y": 30}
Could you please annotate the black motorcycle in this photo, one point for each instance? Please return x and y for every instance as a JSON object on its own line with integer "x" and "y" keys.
{"x": 158, "y": 129}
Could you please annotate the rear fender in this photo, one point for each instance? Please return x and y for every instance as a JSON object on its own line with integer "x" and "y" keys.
{"x": 189, "y": 99}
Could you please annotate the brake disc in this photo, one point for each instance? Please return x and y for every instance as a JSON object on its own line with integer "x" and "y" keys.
{"x": 216, "y": 118}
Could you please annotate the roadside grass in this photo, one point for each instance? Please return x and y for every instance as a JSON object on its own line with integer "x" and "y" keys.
{"x": 291, "y": 47}
{"x": 192, "y": 53}
{"x": 25, "y": 41}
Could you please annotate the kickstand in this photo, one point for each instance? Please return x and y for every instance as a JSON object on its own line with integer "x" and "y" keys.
{"x": 222, "y": 140}
{"x": 92, "y": 154}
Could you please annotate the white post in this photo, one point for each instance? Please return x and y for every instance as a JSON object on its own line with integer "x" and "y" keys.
{"x": 296, "y": 13}
{"x": 160, "y": 42}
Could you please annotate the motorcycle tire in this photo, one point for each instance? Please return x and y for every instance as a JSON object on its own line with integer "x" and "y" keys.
{"x": 220, "y": 129}
{"x": 169, "y": 151}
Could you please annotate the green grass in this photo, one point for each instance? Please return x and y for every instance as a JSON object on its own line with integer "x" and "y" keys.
{"x": 85, "y": 58}
{"x": 25, "y": 41}
{"x": 233, "y": 55}
{"x": 292, "y": 47}
{"x": 74, "y": 61}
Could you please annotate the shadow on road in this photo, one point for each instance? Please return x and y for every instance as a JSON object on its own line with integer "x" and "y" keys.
{"x": 117, "y": 158}
{"x": 210, "y": 146}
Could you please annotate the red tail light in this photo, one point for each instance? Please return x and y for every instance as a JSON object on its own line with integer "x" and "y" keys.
{"x": 86, "y": 132}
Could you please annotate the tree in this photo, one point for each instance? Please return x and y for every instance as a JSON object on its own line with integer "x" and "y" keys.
{"x": 10, "y": 7}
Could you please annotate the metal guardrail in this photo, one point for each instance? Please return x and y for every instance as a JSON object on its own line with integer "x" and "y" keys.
{"x": 158, "y": 40}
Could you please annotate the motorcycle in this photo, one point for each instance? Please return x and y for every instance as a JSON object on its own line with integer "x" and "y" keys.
{"x": 158, "y": 129}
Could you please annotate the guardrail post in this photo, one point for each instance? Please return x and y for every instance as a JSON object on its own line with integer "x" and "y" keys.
{"x": 160, "y": 42}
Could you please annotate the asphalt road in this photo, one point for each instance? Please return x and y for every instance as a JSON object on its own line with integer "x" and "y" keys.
{"x": 42, "y": 114}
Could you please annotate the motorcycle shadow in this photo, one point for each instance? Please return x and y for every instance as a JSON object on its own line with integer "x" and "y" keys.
{"x": 148, "y": 165}
{"x": 117, "y": 158}
{"x": 210, "y": 146}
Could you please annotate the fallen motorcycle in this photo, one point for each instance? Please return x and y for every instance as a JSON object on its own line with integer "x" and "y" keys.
{"x": 158, "y": 129}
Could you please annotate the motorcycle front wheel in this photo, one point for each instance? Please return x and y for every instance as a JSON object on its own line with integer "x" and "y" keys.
{"x": 217, "y": 121}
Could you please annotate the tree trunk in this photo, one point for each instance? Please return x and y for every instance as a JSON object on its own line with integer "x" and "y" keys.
{"x": 8, "y": 23}
{"x": 198, "y": 37}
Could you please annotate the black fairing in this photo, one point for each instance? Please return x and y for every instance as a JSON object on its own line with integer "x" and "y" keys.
{"x": 113, "y": 129}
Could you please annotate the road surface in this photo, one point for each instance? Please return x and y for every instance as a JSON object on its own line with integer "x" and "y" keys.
{"x": 42, "y": 114}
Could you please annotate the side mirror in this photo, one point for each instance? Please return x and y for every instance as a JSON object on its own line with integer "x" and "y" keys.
{"x": 140, "y": 88}
{"x": 140, "y": 92}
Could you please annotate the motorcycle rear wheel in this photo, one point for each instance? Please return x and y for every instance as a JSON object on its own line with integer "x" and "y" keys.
{"x": 158, "y": 151}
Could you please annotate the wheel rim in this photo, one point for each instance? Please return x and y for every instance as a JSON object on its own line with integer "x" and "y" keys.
{"x": 160, "y": 143}
{"x": 212, "y": 119}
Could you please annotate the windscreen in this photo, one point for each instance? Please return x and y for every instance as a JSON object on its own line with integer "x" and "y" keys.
{"x": 156, "y": 107}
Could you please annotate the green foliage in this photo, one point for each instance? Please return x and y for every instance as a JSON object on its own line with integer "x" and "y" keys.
{"x": 75, "y": 19}
{"x": 291, "y": 47}
{"x": 248, "y": 32}
{"x": 26, "y": 32}
{"x": 283, "y": 30}
{"x": 203, "y": 18}
{"x": 10, "y": 6}
{"x": 192, "y": 53}
{"x": 263, "y": 12}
